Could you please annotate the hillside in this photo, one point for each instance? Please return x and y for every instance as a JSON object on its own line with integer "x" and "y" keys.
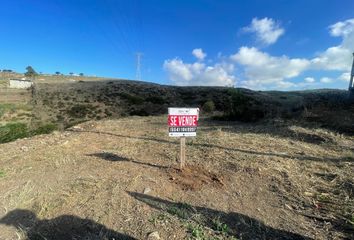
{"x": 117, "y": 179}
{"x": 70, "y": 103}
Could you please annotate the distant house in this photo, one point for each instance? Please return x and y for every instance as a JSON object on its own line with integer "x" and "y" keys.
{"x": 20, "y": 83}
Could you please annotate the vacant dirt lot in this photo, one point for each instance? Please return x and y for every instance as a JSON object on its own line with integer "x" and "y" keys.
{"x": 117, "y": 179}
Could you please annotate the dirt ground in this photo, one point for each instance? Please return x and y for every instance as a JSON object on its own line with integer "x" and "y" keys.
{"x": 119, "y": 179}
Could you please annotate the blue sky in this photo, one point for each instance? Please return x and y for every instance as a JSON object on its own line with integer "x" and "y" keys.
{"x": 282, "y": 45}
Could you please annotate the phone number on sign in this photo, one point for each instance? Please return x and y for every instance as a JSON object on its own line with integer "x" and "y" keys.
{"x": 182, "y": 129}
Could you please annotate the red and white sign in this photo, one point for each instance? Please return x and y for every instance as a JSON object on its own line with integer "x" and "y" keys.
{"x": 183, "y": 122}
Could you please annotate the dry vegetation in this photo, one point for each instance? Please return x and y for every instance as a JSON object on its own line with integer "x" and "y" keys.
{"x": 69, "y": 103}
{"x": 19, "y": 112}
{"x": 14, "y": 96}
{"x": 117, "y": 179}
{"x": 280, "y": 167}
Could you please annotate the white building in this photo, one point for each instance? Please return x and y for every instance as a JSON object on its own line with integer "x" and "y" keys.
{"x": 20, "y": 83}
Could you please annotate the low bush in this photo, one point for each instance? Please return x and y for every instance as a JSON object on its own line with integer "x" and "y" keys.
{"x": 139, "y": 112}
{"x": 241, "y": 107}
{"x": 156, "y": 100}
{"x": 208, "y": 106}
{"x": 132, "y": 99}
{"x": 80, "y": 110}
{"x": 13, "y": 131}
{"x": 44, "y": 129}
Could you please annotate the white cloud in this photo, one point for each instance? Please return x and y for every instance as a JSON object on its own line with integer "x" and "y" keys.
{"x": 326, "y": 80}
{"x": 309, "y": 80}
{"x": 338, "y": 57}
{"x": 342, "y": 28}
{"x": 259, "y": 69}
{"x": 334, "y": 58}
{"x": 262, "y": 69}
{"x": 285, "y": 84}
{"x": 266, "y": 29}
{"x": 199, "y": 74}
{"x": 344, "y": 77}
{"x": 199, "y": 54}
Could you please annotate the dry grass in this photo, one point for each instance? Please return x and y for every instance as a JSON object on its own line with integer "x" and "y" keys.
{"x": 271, "y": 179}
{"x": 10, "y": 112}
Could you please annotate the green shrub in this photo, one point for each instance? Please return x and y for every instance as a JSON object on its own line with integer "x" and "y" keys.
{"x": 241, "y": 107}
{"x": 139, "y": 112}
{"x": 108, "y": 113}
{"x": 13, "y": 131}
{"x": 132, "y": 99}
{"x": 238, "y": 102}
{"x": 80, "y": 111}
{"x": 208, "y": 106}
{"x": 197, "y": 231}
{"x": 219, "y": 226}
{"x": 156, "y": 100}
{"x": 44, "y": 129}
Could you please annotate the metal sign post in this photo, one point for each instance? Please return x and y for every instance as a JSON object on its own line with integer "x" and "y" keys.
{"x": 183, "y": 123}
{"x": 183, "y": 153}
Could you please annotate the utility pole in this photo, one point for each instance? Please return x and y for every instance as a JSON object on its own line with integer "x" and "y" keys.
{"x": 139, "y": 56}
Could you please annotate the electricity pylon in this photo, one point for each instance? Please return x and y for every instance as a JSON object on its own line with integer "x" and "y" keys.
{"x": 139, "y": 56}
{"x": 351, "y": 86}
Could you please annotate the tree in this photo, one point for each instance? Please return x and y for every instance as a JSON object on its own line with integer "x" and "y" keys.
{"x": 81, "y": 74}
{"x": 30, "y": 72}
{"x": 71, "y": 73}
{"x": 57, "y": 73}
{"x": 208, "y": 106}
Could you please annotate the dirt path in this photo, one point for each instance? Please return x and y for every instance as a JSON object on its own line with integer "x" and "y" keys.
{"x": 117, "y": 179}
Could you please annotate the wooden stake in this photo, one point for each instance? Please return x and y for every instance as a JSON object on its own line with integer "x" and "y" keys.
{"x": 183, "y": 153}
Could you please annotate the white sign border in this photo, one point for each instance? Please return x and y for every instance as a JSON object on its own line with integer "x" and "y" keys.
{"x": 183, "y": 111}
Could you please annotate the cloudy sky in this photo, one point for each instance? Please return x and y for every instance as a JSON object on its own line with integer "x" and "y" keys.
{"x": 283, "y": 45}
